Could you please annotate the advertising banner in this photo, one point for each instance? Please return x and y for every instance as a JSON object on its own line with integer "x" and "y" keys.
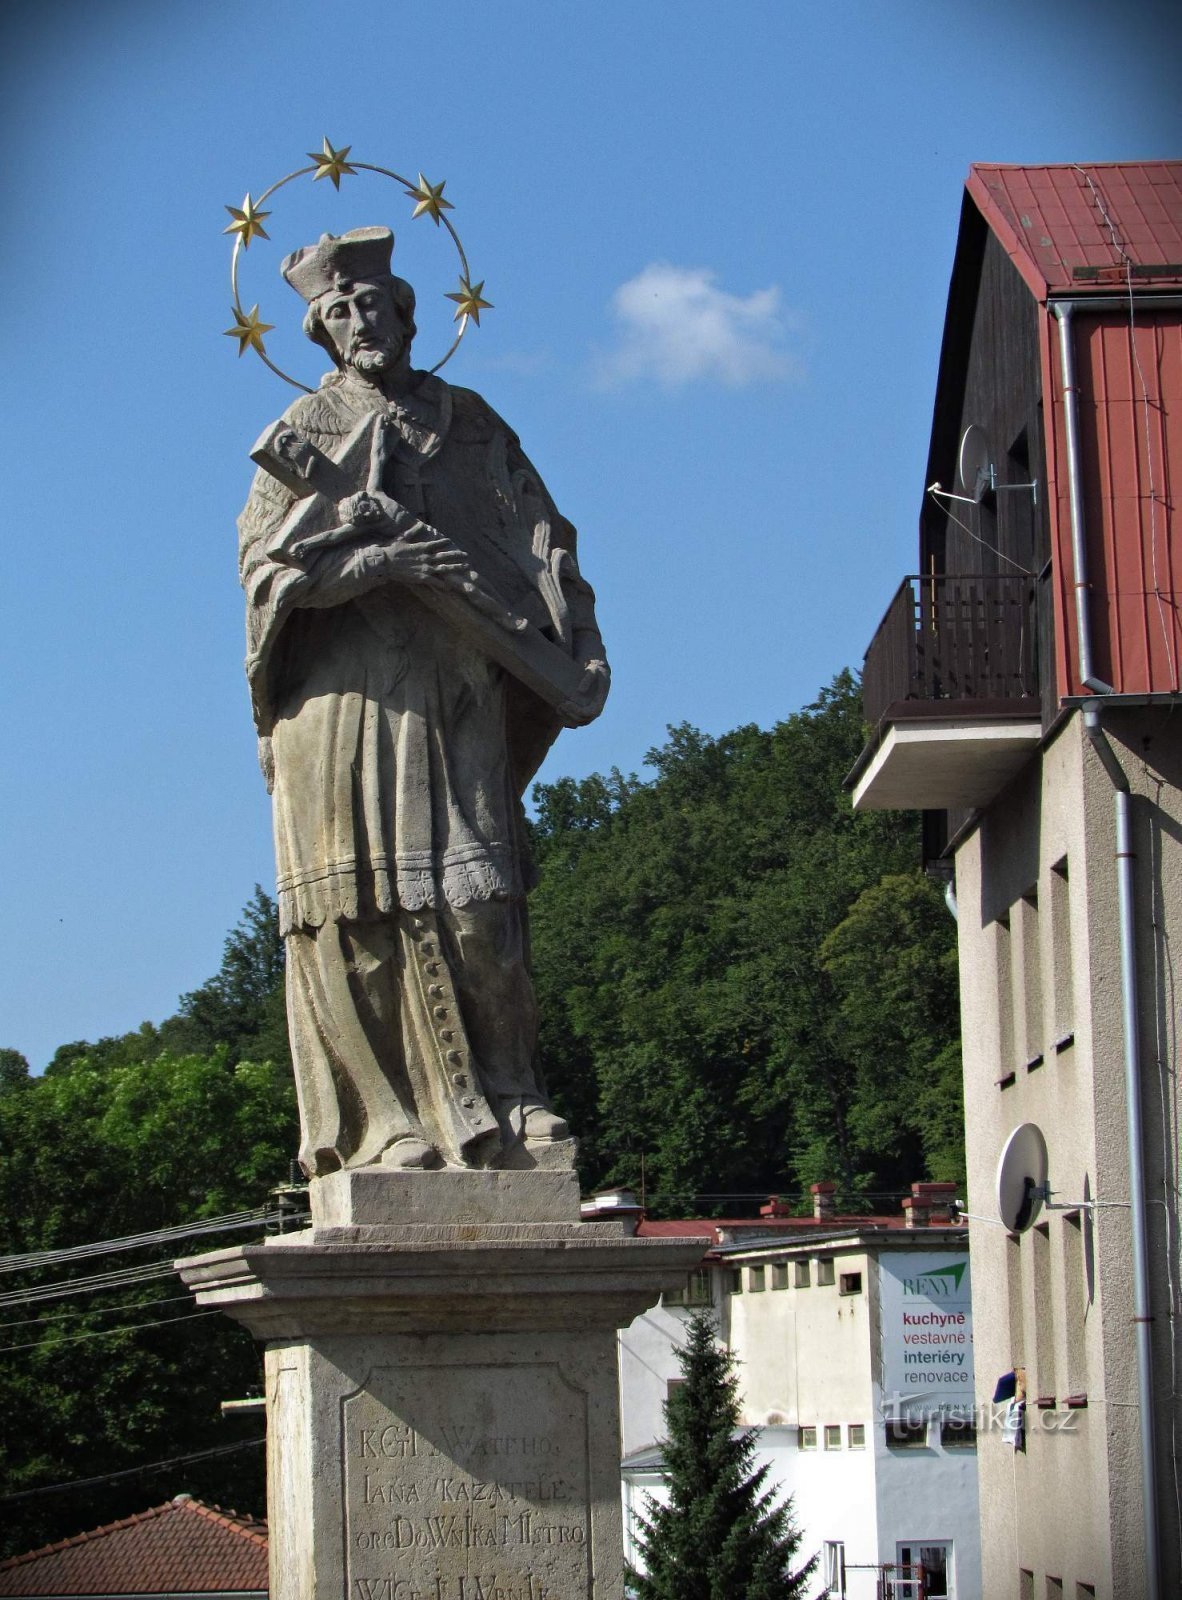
{"x": 927, "y": 1332}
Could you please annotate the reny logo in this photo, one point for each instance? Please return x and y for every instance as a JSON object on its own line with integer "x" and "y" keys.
{"x": 939, "y": 1284}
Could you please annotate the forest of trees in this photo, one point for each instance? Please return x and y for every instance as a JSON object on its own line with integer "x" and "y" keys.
{"x": 744, "y": 988}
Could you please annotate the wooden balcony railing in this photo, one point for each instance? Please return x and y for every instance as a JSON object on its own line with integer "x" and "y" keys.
{"x": 954, "y": 638}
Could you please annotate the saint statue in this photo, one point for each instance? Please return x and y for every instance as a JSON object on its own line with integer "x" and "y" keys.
{"x": 418, "y": 632}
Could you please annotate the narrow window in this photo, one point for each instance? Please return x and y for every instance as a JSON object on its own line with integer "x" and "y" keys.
{"x": 1044, "y": 1312}
{"x": 1075, "y": 1376}
{"x": 1028, "y": 978}
{"x": 672, "y": 1385}
{"x": 833, "y": 1436}
{"x": 906, "y": 1433}
{"x": 733, "y": 1280}
{"x": 1025, "y": 1584}
{"x": 1004, "y": 982}
{"x": 779, "y": 1275}
{"x": 857, "y": 1439}
{"x": 755, "y": 1280}
{"x": 851, "y": 1283}
{"x": 833, "y": 1567}
{"x": 958, "y": 1433}
{"x": 801, "y": 1274}
{"x": 824, "y": 1272}
{"x": 694, "y": 1292}
{"x": 1064, "y": 985}
{"x": 1014, "y": 1299}
{"x": 1054, "y": 1588}
{"x": 806, "y": 1438}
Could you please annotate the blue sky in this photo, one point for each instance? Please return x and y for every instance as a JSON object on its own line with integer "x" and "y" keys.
{"x": 717, "y": 239}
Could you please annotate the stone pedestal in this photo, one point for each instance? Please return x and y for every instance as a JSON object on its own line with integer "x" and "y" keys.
{"x": 442, "y": 1401}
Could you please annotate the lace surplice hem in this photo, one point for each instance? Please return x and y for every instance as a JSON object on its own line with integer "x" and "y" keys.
{"x": 345, "y": 891}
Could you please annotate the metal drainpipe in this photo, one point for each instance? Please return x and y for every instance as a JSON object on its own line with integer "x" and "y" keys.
{"x": 1142, "y": 1316}
{"x": 1083, "y": 632}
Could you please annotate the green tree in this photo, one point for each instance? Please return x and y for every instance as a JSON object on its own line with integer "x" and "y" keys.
{"x": 14, "y": 1070}
{"x": 721, "y": 1534}
{"x": 111, "y": 1380}
{"x": 690, "y": 1019}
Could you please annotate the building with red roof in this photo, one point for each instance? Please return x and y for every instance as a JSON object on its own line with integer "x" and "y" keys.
{"x": 181, "y": 1548}
{"x": 1023, "y": 692}
{"x": 852, "y": 1339}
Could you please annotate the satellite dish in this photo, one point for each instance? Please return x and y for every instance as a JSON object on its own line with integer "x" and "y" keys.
{"x": 975, "y": 463}
{"x": 1022, "y": 1178}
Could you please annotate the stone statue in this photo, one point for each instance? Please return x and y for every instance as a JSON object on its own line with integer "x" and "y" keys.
{"x": 418, "y": 633}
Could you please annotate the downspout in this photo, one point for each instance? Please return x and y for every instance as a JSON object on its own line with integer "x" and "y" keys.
{"x": 1083, "y": 630}
{"x": 1142, "y": 1316}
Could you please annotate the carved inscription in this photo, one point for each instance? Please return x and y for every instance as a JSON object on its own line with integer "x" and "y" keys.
{"x": 466, "y": 1483}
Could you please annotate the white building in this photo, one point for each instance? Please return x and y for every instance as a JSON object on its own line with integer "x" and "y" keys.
{"x": 853, "y": 1344}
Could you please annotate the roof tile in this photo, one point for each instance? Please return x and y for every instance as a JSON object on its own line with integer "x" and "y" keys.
{"x": 182, "y": 1546}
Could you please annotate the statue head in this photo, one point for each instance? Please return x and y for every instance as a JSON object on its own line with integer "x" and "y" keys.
{"x": 357, "y": 309}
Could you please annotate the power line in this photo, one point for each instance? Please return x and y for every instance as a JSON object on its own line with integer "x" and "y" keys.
{"x": 228, "y": 1223}
{"x": 130, "y": 1472}
{"x": 121, "y": 1277}
{"x": 93, "y": 1285}
{"x": 104, "y": 1333}
{"x": 96, "y": 1311}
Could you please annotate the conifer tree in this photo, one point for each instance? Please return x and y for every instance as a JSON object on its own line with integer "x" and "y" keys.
{"x": 722, "y": 1535}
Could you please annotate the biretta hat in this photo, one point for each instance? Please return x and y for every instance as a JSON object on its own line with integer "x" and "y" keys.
{"x": 337, "y": 262}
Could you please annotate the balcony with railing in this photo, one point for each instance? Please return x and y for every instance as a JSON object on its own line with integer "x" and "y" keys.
{"x": 950, "y": 690}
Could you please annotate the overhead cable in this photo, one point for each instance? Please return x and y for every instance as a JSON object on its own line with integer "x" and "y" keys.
{"x": 94, "y": 1285}
{"x": 103, "y": 1333}
{"x": 131, "y": 1472}
{"x": 228, "y": 1223}
{"x": 51, "y": 1318}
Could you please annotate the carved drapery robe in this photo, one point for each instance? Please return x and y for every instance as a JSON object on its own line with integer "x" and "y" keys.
{"x": 397, "y": 754}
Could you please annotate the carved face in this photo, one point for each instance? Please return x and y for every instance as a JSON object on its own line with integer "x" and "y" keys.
{"x": 366, "y": 327}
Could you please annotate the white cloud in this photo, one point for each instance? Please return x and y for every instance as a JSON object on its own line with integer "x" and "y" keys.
{"x": 675, "y": 325}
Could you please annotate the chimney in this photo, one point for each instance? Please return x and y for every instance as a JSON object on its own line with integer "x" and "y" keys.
{"x": 929, "y": 1204}
{"x": 775, "y": 1207}
{"x": 938, "y": 1198}
{"x": 824, "y": 1200}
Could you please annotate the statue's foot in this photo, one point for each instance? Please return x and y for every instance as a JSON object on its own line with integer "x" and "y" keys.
{"x": 410, "y": 1155}
{"x": 541, "y": 1125}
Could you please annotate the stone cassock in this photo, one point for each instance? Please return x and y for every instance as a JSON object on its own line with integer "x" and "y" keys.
{"x": 388, "y": 615}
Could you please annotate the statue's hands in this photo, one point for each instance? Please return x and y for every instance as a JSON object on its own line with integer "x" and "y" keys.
{"x": 419, "y": 555}
{"x": 588, "y": 699}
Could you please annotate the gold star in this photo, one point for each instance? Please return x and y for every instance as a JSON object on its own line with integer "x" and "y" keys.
{"x": 247, "y": 221}
{"x": 470, "y": 302}
{"x": 430, "y": 198}
{"x": 248, "y": 330}
{"x": 332, "y": 163}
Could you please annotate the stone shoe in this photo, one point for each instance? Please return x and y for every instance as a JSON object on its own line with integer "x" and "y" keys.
{"x": 410, "y": 1154}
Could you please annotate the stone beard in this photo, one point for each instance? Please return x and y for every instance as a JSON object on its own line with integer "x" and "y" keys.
{"x": 398, "y": 751}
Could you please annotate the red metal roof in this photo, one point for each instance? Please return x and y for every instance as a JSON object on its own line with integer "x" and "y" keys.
{"x": 1070, "y": 227}
{"x": 757, "y": 1228}
{"x": 181, "y": 1547}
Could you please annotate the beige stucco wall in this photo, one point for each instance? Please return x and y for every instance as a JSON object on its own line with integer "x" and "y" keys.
{"x": 1059, "y": 1301}
{"x": 778, "y": 1335}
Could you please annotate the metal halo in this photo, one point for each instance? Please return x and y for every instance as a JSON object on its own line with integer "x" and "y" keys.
{"x": 354, "y": 166}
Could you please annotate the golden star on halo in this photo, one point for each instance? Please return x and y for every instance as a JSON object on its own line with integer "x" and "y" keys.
{"x": 248, "y": 330}
{"x": 469, "y": 301}
{"x": 332, "y": 163}
{"x": 248, "y": 221}
{"x": 430, "y": 198}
